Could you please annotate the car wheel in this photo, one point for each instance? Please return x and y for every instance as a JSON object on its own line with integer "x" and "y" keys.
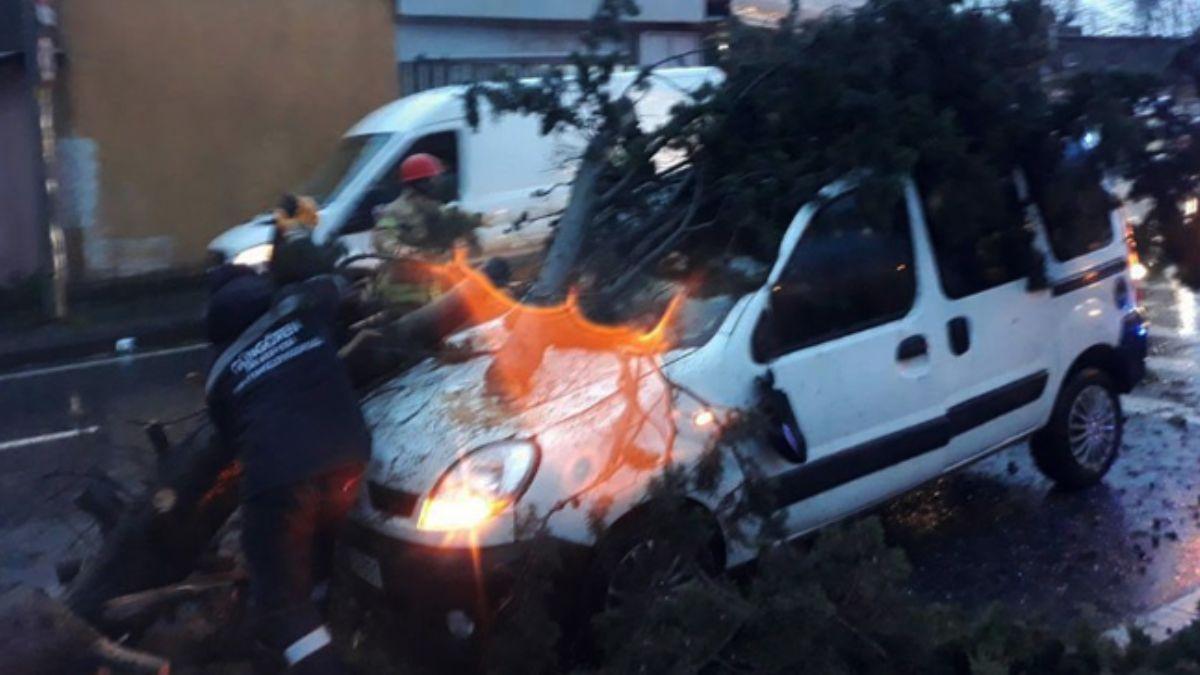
{"x": 637, "y": 562}
{"x": 1084, "y": 435}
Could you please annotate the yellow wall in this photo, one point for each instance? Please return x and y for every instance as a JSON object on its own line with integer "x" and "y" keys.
{"x": 204, "y": 111}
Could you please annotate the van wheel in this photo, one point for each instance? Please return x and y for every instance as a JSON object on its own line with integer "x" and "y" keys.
{"x": 1084, "y": 435}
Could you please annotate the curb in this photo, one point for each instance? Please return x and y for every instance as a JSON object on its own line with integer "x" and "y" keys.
{"x": 36, "y": 350}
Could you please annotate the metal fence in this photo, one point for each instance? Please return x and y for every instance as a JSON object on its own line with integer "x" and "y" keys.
{"x": 422, "y": 74}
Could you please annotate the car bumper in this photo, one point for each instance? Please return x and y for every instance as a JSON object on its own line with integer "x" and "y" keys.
{"x": 458, "y": 590}
{"x": 1132, "y": 349}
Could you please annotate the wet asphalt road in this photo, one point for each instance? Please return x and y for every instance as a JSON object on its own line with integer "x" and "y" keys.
{"x": 1000, "y": 532}
{"x": 61, "y": 430}
{"x": 997, "y": 532}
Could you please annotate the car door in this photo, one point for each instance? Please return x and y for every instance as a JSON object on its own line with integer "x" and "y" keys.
{"x": 441, "y": 141}
{"x": 848, "y": 339}
{"x": 995, "y": 323}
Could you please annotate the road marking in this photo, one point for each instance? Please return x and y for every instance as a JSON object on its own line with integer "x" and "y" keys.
{"x": 47, "y": 438}
{"x": 128, "y": 358}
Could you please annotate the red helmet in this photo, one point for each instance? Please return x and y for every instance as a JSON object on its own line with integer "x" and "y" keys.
{"x": 420, "y": 165}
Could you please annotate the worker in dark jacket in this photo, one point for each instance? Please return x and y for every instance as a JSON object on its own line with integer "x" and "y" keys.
{"x": 278, "y": 394}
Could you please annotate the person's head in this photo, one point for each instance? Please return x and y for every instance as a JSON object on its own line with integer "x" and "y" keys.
{"x": 296, "y": 211}
{"x": 238, "y": 296}
{"x": 420, "y": 172}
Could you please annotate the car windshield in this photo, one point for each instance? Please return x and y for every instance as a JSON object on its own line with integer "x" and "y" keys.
{"x": 708, "y": 297}
{"x": 347, "y": 160}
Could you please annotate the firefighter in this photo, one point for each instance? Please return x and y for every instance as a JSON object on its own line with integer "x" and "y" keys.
{"x": 405, "y": 221}
{"x": 417, "y": 229}
{"x": 278, "y": 393}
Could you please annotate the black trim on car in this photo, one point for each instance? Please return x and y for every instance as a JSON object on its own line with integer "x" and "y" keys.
{"x": 1132, "y": 349}
{"x": 390, "y": 501}
{"x": 860, "y": 461}
{"x": 1087, "y": 277}
{"x": 984, "y": 408}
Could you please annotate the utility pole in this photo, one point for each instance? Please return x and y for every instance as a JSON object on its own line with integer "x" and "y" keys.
{"x": 42, "y": 28}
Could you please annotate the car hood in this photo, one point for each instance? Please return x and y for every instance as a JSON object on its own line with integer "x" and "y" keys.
{"x": 609, "y": 409}
{"x": 236, "y": 239}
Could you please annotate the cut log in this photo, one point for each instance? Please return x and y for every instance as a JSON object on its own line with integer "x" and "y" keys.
{"x": 158, "y": 539}
{"x": 40, "y": 635}
{"x": 137, "y": 607}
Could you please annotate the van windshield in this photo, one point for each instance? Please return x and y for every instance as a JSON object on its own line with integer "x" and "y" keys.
{"x": 347, "y": 160}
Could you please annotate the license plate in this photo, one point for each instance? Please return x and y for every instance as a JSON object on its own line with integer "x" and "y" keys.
{"x": 365, "y": 567}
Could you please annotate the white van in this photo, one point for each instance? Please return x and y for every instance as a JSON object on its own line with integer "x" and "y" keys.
{"x": 895, "y": 353}
{"x": 505, "y": 170}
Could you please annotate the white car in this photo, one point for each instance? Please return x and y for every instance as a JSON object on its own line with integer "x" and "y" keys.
{"x": 896, "y": 351}
{"x": 504, "y": 170}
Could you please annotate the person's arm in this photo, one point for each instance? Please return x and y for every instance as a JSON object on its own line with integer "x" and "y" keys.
{"x": 220, "y": 413}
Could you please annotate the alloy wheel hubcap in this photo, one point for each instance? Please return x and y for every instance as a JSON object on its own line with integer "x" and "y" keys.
{"x": 1092, "y": 427}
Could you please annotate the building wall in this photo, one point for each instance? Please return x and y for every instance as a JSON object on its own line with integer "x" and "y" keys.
{"x": 467, "y": 40}
{"x": 442, "y": 42}
{"x": 551, "y": 10}
{"x": 185, "y": 117}
{"x": 22, "y": 232}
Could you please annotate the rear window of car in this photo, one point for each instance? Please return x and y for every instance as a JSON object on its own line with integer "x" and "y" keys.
{"x": 1075, "y": 208}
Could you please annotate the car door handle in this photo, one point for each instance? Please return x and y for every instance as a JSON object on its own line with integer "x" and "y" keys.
{"x": 959, "y": 332}
{"x": 911, "y": 348}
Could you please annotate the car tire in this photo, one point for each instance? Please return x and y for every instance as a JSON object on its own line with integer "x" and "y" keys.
{"x": 630, "y": 549}
{"x": 1082, "y": 440}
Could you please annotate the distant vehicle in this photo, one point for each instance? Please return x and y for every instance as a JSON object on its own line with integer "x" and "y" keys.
{"x": 504, "y": 170}
{"x": 896, "y": 355}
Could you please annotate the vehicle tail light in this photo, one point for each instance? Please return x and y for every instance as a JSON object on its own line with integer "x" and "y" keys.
{"x": 1137, "y": 271}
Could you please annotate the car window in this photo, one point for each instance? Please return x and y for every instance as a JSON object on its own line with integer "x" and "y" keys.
{"x": 386, "y": 188}
{"x": 346, "y": 161}
{"x": 852, "y": 270}
{"x": 1074, "y": 207}
{"x": 975, "y": 222}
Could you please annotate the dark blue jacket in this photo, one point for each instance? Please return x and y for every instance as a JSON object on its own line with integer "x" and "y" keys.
{"x": 277, "y": 390}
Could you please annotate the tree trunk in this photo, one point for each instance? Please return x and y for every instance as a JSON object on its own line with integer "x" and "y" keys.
{"x": 39, "y": 635}
{"x": 159, "y": 538}
{"x": 552, "y": 281}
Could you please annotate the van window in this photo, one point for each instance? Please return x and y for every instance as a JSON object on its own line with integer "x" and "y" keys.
{"x": 443, "y": 145}
{"x": 976, "y": 225}
{"x": 1075, "y": 209}
{"x": 852, "y": 270}
{"x": 345, "y": 162}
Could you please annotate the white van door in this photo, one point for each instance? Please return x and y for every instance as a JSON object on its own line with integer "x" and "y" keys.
{"x": 996, "y": 327}
{"x": 441, "y": 141}
{"x": 849, "y": 338}
{"x": 515, "y": 179}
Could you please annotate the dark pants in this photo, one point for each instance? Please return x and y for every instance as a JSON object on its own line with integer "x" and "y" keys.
{"x": 288, "y": 537}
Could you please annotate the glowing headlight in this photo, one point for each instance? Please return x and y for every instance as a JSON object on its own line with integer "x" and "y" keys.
{"x": 479, "y": 486}
{"x": 255, "y": 256}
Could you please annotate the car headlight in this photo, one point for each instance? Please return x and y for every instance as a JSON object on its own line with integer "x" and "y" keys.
{"x": 255, "y": 256}
{"x": 479, "y": 485}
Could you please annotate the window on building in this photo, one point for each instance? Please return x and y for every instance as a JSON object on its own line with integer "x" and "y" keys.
{"x": 977, "y": 227}
{"x": 852, "y": 270}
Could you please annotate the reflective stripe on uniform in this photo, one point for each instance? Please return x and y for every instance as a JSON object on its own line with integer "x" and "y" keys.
{"x": 308, "y": 645}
